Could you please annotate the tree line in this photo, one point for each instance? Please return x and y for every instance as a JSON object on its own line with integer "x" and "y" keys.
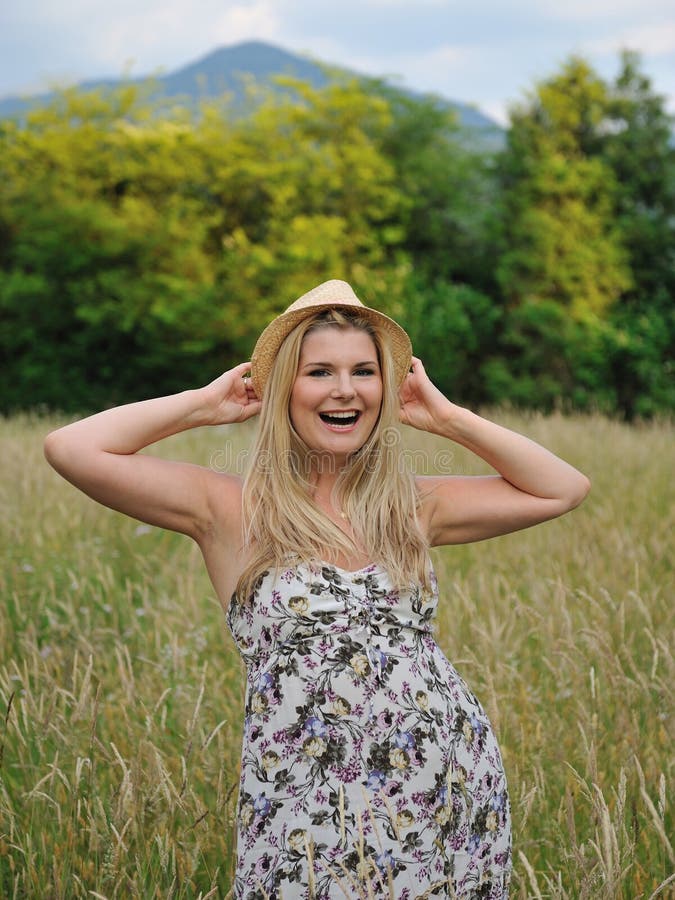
{"x": 142, "y": 251}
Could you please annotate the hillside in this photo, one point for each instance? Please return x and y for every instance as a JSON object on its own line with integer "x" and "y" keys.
{"x": 226, "y": 70}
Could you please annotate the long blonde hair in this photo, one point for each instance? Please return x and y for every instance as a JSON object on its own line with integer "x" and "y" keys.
{"x": 375, "y": 490}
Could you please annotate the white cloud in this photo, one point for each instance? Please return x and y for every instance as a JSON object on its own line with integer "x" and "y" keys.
{"x": 447, "y": 55}
{"x": 602, "y": 10}
{"x": 421, "y": 70}
{"x": 163, "y": 34}
{"x": 411, "y": 4}
{"x": 438, "y": 70}
{"x": 246, "y": 21}
{"x": 654, "y": 40}
{"x": 497, "y": 110}
{"x": 78, "y": 12}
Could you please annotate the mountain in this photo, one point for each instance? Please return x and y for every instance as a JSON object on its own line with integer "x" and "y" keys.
{"x": 227, "y": 69}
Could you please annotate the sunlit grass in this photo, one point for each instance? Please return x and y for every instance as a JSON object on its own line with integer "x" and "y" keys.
{"x": 121, "y": 692}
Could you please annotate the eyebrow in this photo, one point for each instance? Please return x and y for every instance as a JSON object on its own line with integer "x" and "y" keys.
{"x": 328, "y": 365}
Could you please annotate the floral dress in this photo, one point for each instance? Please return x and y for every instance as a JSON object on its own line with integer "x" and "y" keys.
{"x": 369, "y": 770}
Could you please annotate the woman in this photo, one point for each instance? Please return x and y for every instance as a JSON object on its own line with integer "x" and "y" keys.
{"x": 368, "y": 767}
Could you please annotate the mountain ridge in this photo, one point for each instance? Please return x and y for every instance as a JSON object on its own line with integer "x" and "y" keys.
{"x": 225, "y": 70}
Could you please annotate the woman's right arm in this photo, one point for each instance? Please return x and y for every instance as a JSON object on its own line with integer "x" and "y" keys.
{"x": 99, "y": 455}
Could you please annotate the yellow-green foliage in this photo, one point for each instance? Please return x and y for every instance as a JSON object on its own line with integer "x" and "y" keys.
{"x": 164, "y": 240}
{"x": 120, "y": 690}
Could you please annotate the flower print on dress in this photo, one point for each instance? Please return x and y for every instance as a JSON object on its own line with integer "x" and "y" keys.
{"x": 363, "y": 750}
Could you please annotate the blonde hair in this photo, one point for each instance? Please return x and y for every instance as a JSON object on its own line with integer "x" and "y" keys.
{"x": 375, "y": 490}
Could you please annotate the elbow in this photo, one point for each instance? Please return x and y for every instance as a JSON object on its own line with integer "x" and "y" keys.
{"x": 49, "y": 447}
{"x": 579, "y": 491}
{"x": 53, "y": 449}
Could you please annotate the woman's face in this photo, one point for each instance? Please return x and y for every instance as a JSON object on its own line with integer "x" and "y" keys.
{"x": 337, "y": 393}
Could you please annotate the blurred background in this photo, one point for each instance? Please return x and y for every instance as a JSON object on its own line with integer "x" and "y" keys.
{"x": 503, "y": 183}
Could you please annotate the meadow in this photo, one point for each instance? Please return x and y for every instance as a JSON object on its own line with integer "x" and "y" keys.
{"x": 121, "y": 692}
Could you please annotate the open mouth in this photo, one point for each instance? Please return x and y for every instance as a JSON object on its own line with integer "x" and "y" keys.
{"x": 340, "y": 419}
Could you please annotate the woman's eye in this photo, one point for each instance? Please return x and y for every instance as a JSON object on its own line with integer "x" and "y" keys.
{"x": 319, "y": 373}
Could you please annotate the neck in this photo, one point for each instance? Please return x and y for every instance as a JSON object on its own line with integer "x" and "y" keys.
{"x": 323, "y": 484}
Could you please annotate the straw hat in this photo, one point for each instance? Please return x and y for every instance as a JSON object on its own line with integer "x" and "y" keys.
{"x": 329, "y": 295}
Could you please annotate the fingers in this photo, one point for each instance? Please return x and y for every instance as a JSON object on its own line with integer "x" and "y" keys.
{"x": 233, "y": 375}
{"x": 416, "y": 371}
{"x": 242, "y": 369}
{"x": 251, "y": 409}
{"x": 251, "y": 395}
{"x": 234, "y": 386}
{"x": 239, "y": 377}
{"x": 245, "y": 374}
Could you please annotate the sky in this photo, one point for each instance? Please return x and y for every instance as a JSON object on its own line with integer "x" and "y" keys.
{"x": 485, "y": 53}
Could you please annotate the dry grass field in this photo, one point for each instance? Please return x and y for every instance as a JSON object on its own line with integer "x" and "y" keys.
{"x": 121, "y": 693}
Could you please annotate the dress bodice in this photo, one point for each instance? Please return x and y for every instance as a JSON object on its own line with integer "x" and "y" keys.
{"x": 306, "y": 602}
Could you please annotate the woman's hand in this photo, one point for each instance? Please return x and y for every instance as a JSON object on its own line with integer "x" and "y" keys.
{"x": 423, "y": 406}
{"x": 230, "y": 398}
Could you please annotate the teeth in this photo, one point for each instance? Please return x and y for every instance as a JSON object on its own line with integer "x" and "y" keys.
{"x": 341, "y": 418}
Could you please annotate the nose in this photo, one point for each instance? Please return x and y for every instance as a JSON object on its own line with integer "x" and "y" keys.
{"x": 343, "y": 387}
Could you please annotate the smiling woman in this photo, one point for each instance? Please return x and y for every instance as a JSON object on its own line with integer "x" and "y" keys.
{"x": 337, "y": 389}
{"x": 368, "y": 767}
{"x": 331, "y": 355}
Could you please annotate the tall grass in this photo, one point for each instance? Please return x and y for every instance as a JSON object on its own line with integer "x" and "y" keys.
{"x": 121, "y": 692}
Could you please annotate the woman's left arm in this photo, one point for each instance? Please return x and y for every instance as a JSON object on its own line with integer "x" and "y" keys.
{"x": 533, "y": 484}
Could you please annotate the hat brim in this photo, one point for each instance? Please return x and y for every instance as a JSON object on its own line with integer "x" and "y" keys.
{"x": 268, "y": 344}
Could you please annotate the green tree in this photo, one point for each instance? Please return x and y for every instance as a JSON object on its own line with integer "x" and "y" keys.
{"x": 448, "y": 181}
{"x": 324, "y": 202}
{"x": 638, "y": 144}
{"x": 588, "y": 223}
{"x": 101, "y": 262}
{"x": 142, "y": 252}
{"x": 446, "y": 219}
{"x": 453, "y": 329}
{"x": 560, "y": 240}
